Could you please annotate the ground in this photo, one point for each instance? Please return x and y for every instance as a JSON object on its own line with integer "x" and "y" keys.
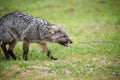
{"x": 94, "y": 27}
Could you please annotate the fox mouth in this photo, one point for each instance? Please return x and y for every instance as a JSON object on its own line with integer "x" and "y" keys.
{"x": 64, "y": 43}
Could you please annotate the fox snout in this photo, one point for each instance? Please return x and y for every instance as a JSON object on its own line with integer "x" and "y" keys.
{"x": 66, "y": 43}
{"x": 70, "y": 41}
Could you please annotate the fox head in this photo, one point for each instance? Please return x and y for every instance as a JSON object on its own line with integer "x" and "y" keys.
{"x": 59, "y": 35}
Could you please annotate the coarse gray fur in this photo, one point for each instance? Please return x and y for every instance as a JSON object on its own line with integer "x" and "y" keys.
{"x": 19, "y": 26}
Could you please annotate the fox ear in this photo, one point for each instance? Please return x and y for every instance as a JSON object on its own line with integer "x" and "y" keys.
{"x": 54, "y": 28}
{"x": 62, "y": 25}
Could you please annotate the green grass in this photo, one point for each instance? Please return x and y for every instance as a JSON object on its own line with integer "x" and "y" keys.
{"x": 84, "y": 20}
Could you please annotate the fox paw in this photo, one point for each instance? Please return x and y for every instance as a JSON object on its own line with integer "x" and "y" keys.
{"x": 52, "y": 58}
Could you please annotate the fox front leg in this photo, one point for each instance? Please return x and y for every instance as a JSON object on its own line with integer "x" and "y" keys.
{"x": 47, "y": 51}
{"x": 25, "y": 49}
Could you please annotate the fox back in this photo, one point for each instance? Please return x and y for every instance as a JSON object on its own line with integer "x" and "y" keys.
{"x": 16, "y": 24}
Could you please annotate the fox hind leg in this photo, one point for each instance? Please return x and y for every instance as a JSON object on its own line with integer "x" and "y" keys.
{"x": 3, "y": 46}
{"x": 11, "y": 48}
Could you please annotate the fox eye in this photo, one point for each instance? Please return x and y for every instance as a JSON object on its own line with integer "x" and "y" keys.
{"x": 63, "y": 36}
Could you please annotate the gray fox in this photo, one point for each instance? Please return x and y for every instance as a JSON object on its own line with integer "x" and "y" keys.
{"x": 20, "y": 26}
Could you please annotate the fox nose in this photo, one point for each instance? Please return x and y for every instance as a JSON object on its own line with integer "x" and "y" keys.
{"x": 70, "y": 41}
